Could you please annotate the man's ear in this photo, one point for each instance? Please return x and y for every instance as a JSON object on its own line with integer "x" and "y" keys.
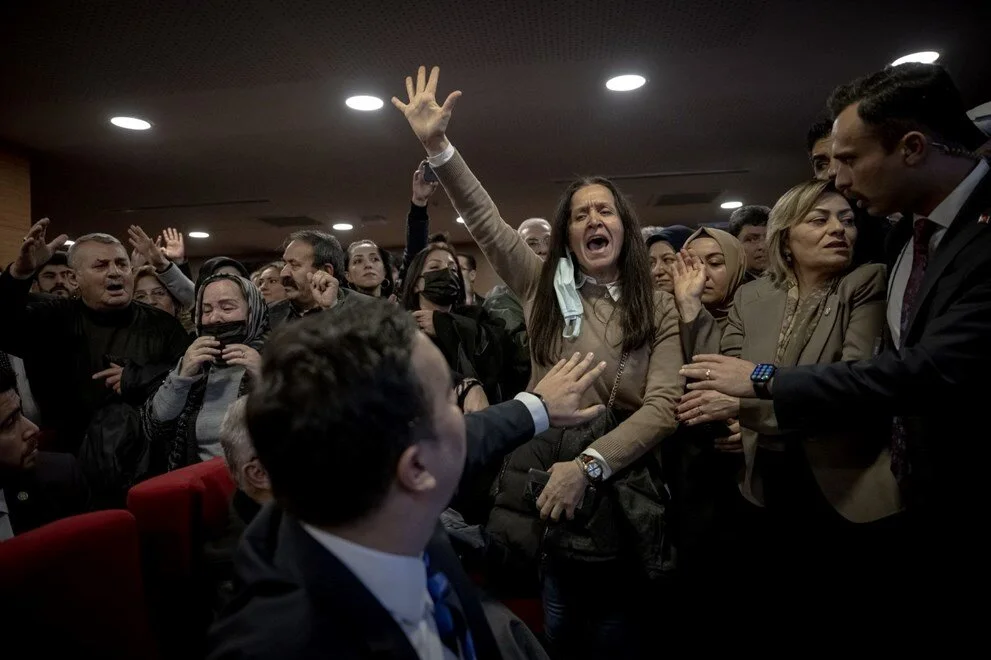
{"x": 256, "y": 476}
{"x": 72, "y": 277}
{"x": 914, "y": 147}
{"x": 329, "y": 268}
{"x": 411, "y": 471}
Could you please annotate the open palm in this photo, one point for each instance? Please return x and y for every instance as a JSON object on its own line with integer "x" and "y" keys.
{"x": 688, "y": 274}
{"x": 427, "y": 119}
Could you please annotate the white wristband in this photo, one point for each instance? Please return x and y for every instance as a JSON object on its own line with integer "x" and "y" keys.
{"x": 442, "y": 157}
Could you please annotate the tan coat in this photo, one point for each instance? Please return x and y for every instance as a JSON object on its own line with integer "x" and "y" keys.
{"x": 650, "y": 384}
{"x": 852, "y": 467}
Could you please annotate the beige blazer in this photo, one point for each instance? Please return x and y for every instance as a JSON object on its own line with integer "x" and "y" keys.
{"x": 853, "y": 466}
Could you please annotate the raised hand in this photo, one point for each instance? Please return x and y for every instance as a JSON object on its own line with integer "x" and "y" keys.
{"x": 324, "y": 287}
{"x": 175, "y": 247}
{"x": 35, "y": 252}
{"x": 427, "y": 119}
{"x": 422, "y": 190}
{"x": 688, "y": 274}
{"x": 146, "y": 247}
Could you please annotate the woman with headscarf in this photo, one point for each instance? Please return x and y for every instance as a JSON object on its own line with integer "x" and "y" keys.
{"x": 663, "y": 245}
{"x": 706, "y": 275}
{"x": 812, "y": 307}
{"x": 182, "y": 420}
{"x": 220, "y": 266}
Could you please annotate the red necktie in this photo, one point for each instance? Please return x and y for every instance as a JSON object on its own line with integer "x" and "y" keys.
{"x": 922, "y": 231}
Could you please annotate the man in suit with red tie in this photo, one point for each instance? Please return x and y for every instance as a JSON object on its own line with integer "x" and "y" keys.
{"x": 357, "y": 424}
{"x": 903, "y": 143}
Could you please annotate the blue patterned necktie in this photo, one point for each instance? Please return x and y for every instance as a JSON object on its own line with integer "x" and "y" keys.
{"x": 451, "y": 624}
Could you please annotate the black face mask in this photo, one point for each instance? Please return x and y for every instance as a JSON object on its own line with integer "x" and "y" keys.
{"x": 441, "y": 287}
{"x": 230, "y": 332}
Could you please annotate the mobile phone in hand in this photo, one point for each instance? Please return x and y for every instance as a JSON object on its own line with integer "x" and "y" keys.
{"x": 428, "y": 174}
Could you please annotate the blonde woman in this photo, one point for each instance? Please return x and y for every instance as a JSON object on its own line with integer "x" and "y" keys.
{"x": 812, "y": 307}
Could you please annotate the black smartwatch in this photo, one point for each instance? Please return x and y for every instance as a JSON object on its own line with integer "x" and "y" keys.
{"x": 761, "y": 377}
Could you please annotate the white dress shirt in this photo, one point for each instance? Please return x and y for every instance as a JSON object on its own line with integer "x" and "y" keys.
{"x": 399, "y": 583}
{"x": 943, "y": 216}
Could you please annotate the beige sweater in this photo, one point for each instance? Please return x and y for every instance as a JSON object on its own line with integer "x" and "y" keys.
{"x": 650, "y": 384}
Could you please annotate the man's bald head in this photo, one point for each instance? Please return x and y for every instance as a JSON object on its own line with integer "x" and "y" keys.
{"x": 536, "y": 233}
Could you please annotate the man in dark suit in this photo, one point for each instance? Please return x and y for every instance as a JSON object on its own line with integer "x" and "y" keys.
{"x": 903, "y": 143}
{"x": 36, "y": 487}
{"x": 358, "y": 427}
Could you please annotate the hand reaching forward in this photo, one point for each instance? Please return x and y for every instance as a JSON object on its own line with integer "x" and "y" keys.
{"x": 427, "y": 119}
{"x": 563, "y": 387}
{"x": 35, "y": 252}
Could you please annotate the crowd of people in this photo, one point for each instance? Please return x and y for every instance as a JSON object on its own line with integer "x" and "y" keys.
{"x": 640, "y": 420}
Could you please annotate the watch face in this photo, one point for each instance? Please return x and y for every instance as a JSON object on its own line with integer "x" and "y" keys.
{"x": 594, "y": 470}
{"x": 762, "y": 373}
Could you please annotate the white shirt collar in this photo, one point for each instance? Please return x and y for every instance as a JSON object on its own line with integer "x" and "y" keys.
{"x": 948, "y": 209}
{"x": 399, "y": 582}
{"x": 613, "y": 288}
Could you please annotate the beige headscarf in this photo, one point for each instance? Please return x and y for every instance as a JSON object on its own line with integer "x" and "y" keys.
{"x": 736, "y": 266}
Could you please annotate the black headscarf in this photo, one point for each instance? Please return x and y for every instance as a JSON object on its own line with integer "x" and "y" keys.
{"x": 257, "y": 318}
{"x": 211, "y": 266}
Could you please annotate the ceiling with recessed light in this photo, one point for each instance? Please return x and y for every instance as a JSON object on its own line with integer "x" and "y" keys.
{"x": 251, "y": 136}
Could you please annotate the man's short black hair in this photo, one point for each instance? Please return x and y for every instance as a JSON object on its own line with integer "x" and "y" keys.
{"x": 336, "y": 405}
{"x": 326, "y": 249}
{"x": 910, "y": 97}
{"x": 819, "y": 130}
{"x": 472, "y": 264}
{"x": 439, "y": 237}
{"x": 752, "y": 214}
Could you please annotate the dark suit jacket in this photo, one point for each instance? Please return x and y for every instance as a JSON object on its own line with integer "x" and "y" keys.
{"x": 282, "y": 311}
{"x": 52, "y": 490}
{"x": 300, "y": 601}
{"x": 937, "y": 382}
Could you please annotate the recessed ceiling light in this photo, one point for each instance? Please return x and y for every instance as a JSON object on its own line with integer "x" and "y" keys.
{"x": 625, "y": 83}
{"x": 198, "y": 234}
{"x": 460, "y": 220}
{"x": 364, "y": 103}
{"x": 130, "y": 123}
{"x": 69, "y": 243}
{"x": 343, "y": 226}
{"x": 731, "y": 205}
{"x": 924, "y": 57}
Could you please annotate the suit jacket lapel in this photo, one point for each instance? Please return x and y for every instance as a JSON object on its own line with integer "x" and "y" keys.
{"x": 961, "y": 232}
{"x": 814, "y": 348}
{"x": 765, "y": 315}
{"x": 338, "y": 595}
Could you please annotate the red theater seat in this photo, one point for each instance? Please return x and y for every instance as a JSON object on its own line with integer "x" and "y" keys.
{"x": 175, "y": 513}
{"x": 73, "y": 588}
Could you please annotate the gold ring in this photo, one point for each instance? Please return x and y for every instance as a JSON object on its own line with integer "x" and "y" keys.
{"x": 708, "y": 374}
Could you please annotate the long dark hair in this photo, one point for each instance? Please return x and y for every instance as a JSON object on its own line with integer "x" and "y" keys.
{"x": 636, "y": 303}
{"x": 410, "y": 298}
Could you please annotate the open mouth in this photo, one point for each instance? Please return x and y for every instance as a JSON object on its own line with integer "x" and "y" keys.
{"x": 288, "y": 283}
{"x": 838, "y": 244}
{"x": 597, "y": 243}
{"x": 115, "y": 288}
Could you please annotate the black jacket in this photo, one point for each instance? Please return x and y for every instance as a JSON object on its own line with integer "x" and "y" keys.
{"x": 284, "y": 311}
{"x": 937, "y": 382}
{"x": 63, "y": 343}
{"x": 53, "y": 489}
{"x": 300, "y": 601}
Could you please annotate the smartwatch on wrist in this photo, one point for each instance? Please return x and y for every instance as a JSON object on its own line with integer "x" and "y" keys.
{"x": 761, "y": 378}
